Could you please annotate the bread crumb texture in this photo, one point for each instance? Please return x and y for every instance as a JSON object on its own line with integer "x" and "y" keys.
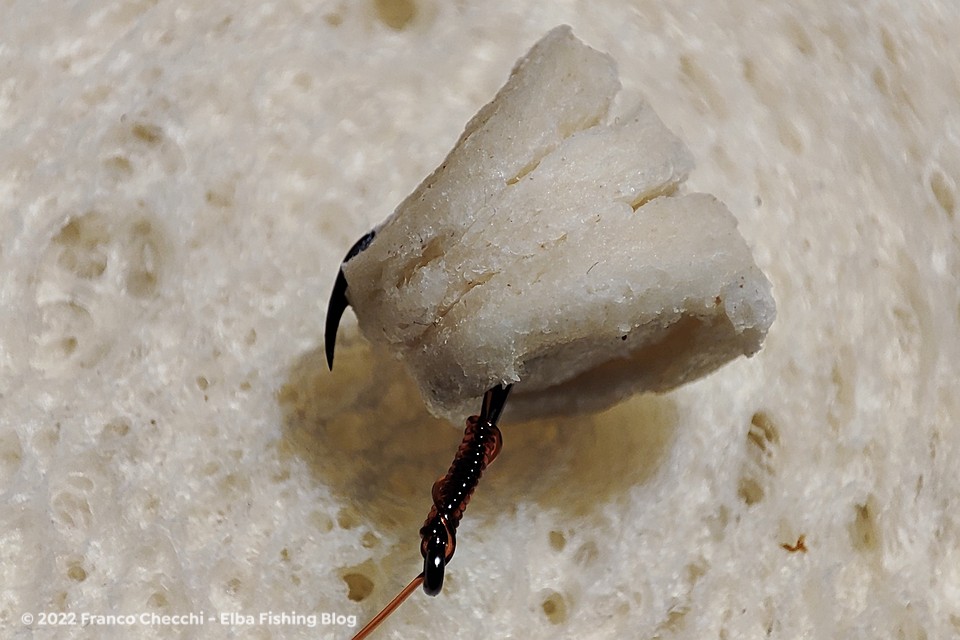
{"x": 178, "y": 184}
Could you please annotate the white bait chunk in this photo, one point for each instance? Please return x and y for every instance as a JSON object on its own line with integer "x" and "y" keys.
{"x": 553, "y": 249}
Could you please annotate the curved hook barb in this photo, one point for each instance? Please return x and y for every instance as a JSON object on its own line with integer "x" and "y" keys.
{"x": 451, "y": 493}
{"x": 338, "y": 298}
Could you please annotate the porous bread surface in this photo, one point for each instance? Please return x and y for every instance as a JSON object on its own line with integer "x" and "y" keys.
{"x": 178, "y": 184}
{"x": 558, "y": 252}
